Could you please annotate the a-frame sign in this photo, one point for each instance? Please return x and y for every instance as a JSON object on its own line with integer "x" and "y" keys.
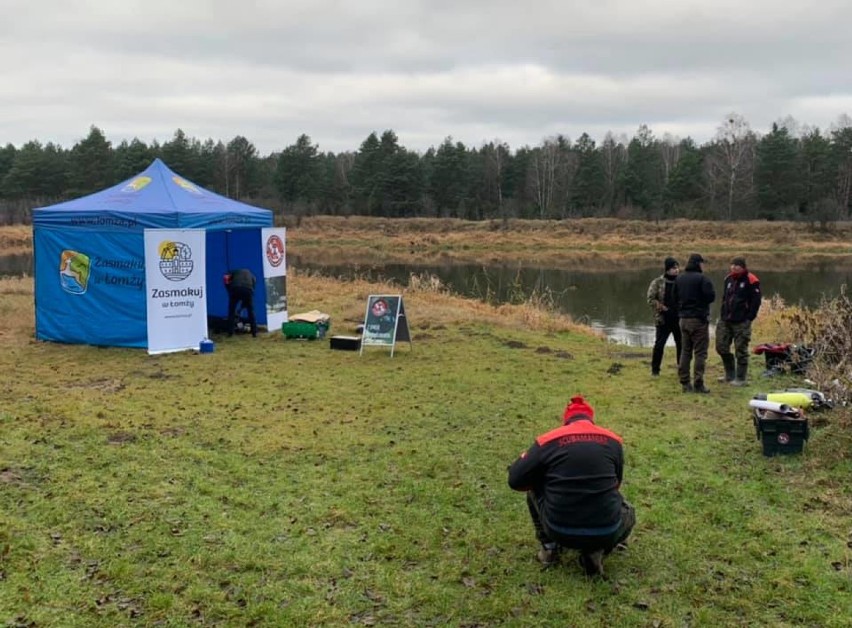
{"x": 385, "y": 322}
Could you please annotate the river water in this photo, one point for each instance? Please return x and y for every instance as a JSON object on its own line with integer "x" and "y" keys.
{"x": 610, "y": 300}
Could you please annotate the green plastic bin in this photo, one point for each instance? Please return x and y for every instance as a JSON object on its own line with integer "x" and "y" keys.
{"x": 299, "y": 329}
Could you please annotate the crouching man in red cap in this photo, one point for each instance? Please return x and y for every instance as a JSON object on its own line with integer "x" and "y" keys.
{"x": 572, "y": 475}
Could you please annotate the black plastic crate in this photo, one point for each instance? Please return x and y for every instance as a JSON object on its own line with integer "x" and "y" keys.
{"x": 781, "y": 435}
{"x": 345, "y": 343}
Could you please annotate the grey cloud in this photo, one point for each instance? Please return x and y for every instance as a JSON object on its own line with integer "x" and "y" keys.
{"x": 475, "y": 70}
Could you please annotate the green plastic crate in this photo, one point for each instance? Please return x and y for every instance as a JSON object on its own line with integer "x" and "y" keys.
{"x": 299, "y": 329}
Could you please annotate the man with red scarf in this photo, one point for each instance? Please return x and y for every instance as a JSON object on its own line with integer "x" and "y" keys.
{"x": 740, "y": 304}
{"x": 572, "y": 477}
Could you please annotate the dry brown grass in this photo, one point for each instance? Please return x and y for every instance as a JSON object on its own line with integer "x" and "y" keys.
{"x": 427, "y": 301}
{"x": 771, "y": 324}
{"x": 757, "y": 233}
{"x": 584, "y": 243}
{"x": 566, "y": 243}
{"x": 17, "y": 324}
{"x": 827, "y": 328}
{"x": 16, "y": 239}
{"x": 428, "y": 304}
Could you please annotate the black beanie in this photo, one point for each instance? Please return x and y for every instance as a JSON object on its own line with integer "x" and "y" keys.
{"x": 670, "y": 263}
{"x": 738, "y": 261}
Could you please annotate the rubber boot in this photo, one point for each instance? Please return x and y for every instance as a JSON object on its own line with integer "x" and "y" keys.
{"x": 728, "y": 363}
{"x": 548, "y": 555}
{"x": 742, "y": 376}
{"x": 592, "y": 563}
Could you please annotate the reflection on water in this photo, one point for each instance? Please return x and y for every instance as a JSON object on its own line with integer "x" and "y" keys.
{"x": 636, "y": 336}
{"x": 16, "y": 265}
{"x": 610, "y": 300}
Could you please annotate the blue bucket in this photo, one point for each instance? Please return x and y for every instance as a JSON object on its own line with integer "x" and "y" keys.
{"x": 206, "y": 346}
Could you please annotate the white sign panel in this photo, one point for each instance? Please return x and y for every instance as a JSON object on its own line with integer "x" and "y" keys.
{"x": 176, "y": 289}
{"x": 275, "y": 276}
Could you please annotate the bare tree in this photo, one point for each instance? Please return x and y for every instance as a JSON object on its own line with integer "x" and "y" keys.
{"x": 734, "y": 146}
{"x": 496, "y": 153}
{"x": 570, "y": 165}
{"x": 546, "y": 164}
{"x": 614, "y": 154}
{"x": 670, "y": 150}
{"x": 841, "y": 133}
{"x": 794, "y": 129}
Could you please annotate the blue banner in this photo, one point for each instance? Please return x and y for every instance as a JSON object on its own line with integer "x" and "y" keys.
{"x": 90, "y": 287}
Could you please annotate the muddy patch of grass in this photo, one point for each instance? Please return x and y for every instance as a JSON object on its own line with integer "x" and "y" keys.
{"x": 119, "y": 438}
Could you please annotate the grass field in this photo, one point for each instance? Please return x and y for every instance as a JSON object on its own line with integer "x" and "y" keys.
{"x": 277, "y": 483}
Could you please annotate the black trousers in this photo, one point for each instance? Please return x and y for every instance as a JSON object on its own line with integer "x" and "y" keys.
{"x": 669, "y": 326}
{"x": 583, "y": 543}
{"x": 236, "y": 295}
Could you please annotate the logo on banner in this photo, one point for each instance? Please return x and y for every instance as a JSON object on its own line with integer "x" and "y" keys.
{"x": 186, "y": 185}
{"x": 137, "y": 184}
{"x": 380, "y": 308}
{"x": 175, "y": 260}
{"x": 274, "y": 251}
{"x": 74, "y": 271}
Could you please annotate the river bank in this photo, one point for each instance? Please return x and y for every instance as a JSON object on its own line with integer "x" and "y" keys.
{"x": 568, "y": 242}
{"x": 555, "y": 243}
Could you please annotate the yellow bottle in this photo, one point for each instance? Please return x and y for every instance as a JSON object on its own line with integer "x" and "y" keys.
{"x": 795, "y": 399}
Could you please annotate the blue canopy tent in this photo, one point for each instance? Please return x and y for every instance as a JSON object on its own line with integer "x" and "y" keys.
{"x": 89, "y": 255}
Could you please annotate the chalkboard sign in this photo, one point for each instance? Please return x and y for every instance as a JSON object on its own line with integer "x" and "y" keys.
{"x": 385, "y": 321}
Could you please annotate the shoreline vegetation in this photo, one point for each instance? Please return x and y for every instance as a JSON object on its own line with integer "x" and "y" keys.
{"x": 568, "y": 243}
{"x": 543, "y": 241}
{"x": 277, "y": 482}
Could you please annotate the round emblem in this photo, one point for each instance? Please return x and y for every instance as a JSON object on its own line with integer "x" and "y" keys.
{"x": 175, "y": 260}
{"x": 275, "y": 250}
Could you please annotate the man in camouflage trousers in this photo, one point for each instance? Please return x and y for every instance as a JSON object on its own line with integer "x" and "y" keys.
{"x": 740, "y": 303}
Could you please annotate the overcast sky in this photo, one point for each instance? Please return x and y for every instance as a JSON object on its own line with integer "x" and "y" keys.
{"x": 476, "y": 70}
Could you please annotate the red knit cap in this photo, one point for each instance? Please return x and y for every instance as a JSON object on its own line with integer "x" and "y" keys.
{"x": 577, "y": 406}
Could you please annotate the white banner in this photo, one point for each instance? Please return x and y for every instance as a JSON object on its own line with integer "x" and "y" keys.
{"x": 275, "y": 276}
{"x": 176, "y": 289}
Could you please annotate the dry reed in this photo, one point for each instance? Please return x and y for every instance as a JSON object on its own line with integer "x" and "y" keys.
{"x": 827, "y": 329}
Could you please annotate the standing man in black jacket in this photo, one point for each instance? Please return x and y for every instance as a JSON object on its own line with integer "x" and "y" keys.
{"x": 740, "y": 305}
{"x": 695, "y": 294}
{"x": 572, "y": 475}
{"x": 662, "y": 297}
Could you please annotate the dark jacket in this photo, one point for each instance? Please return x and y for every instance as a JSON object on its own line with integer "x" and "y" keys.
{"x": 663, "y": 292}
{"x": 741, "y": 298}
{"x": 695, "y": 293}
{"x": 578, "y": 469}
{"x": 242, "y": 278}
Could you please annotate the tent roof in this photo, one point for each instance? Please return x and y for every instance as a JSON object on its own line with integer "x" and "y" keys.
{"x": 155, "y": 198}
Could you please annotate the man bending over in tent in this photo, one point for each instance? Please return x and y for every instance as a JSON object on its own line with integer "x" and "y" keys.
{"x": 572, "y": 475}
{"x": 241, "y": 290}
